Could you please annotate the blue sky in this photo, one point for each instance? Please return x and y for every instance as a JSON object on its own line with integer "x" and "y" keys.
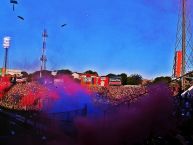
{"x": 132, "y": 36}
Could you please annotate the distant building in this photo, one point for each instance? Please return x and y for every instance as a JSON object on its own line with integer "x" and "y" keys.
{"x": 54, "y": 73}
{"x": 89, "y": 79}
{"x": 76, "y": 75}
{"x": 115, "y": 81}
{"x": 103, "y": 81}
{"x": 95, "y": 80}
{"x": 12, "y": 72}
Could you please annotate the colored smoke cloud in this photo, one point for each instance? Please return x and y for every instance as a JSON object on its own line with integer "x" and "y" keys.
{"x": 151, "y": 115}
{"x": 69, "y": 86}
{"x": 70, "y": 95}
{"x": 65, "y": 94}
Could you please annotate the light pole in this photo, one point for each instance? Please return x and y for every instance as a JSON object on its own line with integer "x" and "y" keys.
{"x": 6, "y": 45}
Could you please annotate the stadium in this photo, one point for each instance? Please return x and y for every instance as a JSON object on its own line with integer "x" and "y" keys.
{"x": 52, "y": 106}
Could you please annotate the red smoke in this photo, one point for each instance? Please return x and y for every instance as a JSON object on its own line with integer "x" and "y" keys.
{"x": 34, "y": 95}
{"x": 37, "y": 94}
{"x": 3, "y": 87}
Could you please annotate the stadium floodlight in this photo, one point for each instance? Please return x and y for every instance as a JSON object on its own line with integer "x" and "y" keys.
{"x": 6, "y": 42}
{"x": 6, "y": 45}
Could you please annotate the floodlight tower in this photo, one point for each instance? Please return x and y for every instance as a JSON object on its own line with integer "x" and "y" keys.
{"x": 6, "y": 45}
{"x": 43, "y": 58}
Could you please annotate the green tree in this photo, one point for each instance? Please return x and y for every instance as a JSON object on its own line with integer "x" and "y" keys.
{"x": 111, "y": 75}
{"x": 29, "y": 78}
{"x": 44, "y": 73}
{"x": 123, "y": 78}
{"x": 134, "y": 79}
{"x": 91, "y": 72}
{"x": 24, "y": 74}
{"x": 64, "y": 72}
{"x": 162, "y": 79}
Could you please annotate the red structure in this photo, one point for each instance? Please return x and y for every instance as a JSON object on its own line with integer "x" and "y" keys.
{"x": 89, "y": 79}
{"x": 94, "y": 80}
{"x": 178, "y": 64}
{"x": 103, "y": 81}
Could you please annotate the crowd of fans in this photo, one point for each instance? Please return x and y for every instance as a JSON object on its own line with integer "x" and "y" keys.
{"x": 24, "y": 96}
{"x": 116, "y": 94}
{"x": 29, "y": 96}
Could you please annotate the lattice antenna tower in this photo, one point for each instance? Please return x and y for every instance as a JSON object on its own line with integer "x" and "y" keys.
{"x": 184, "y": 41}
{"x": 43, "y": 58}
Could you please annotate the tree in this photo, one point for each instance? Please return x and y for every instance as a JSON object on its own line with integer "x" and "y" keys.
{"x": 111, "y": 75}
{"x": 24, "y": 74}
{"x": 44, "y": 73}
{"x": 162, "y": 79}
{"x": 64, "y": 72}
{"x": 123, "y": 78}
{"x": 91, "y": 72}
{"x": 134, "y": 79}
{"x": 29, "y": 78}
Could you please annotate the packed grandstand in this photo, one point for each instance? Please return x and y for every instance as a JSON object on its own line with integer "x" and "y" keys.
{"x": 30, "y": 95}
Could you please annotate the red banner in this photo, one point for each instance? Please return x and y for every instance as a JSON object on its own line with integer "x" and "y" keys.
{"x": 178, "y": 64}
